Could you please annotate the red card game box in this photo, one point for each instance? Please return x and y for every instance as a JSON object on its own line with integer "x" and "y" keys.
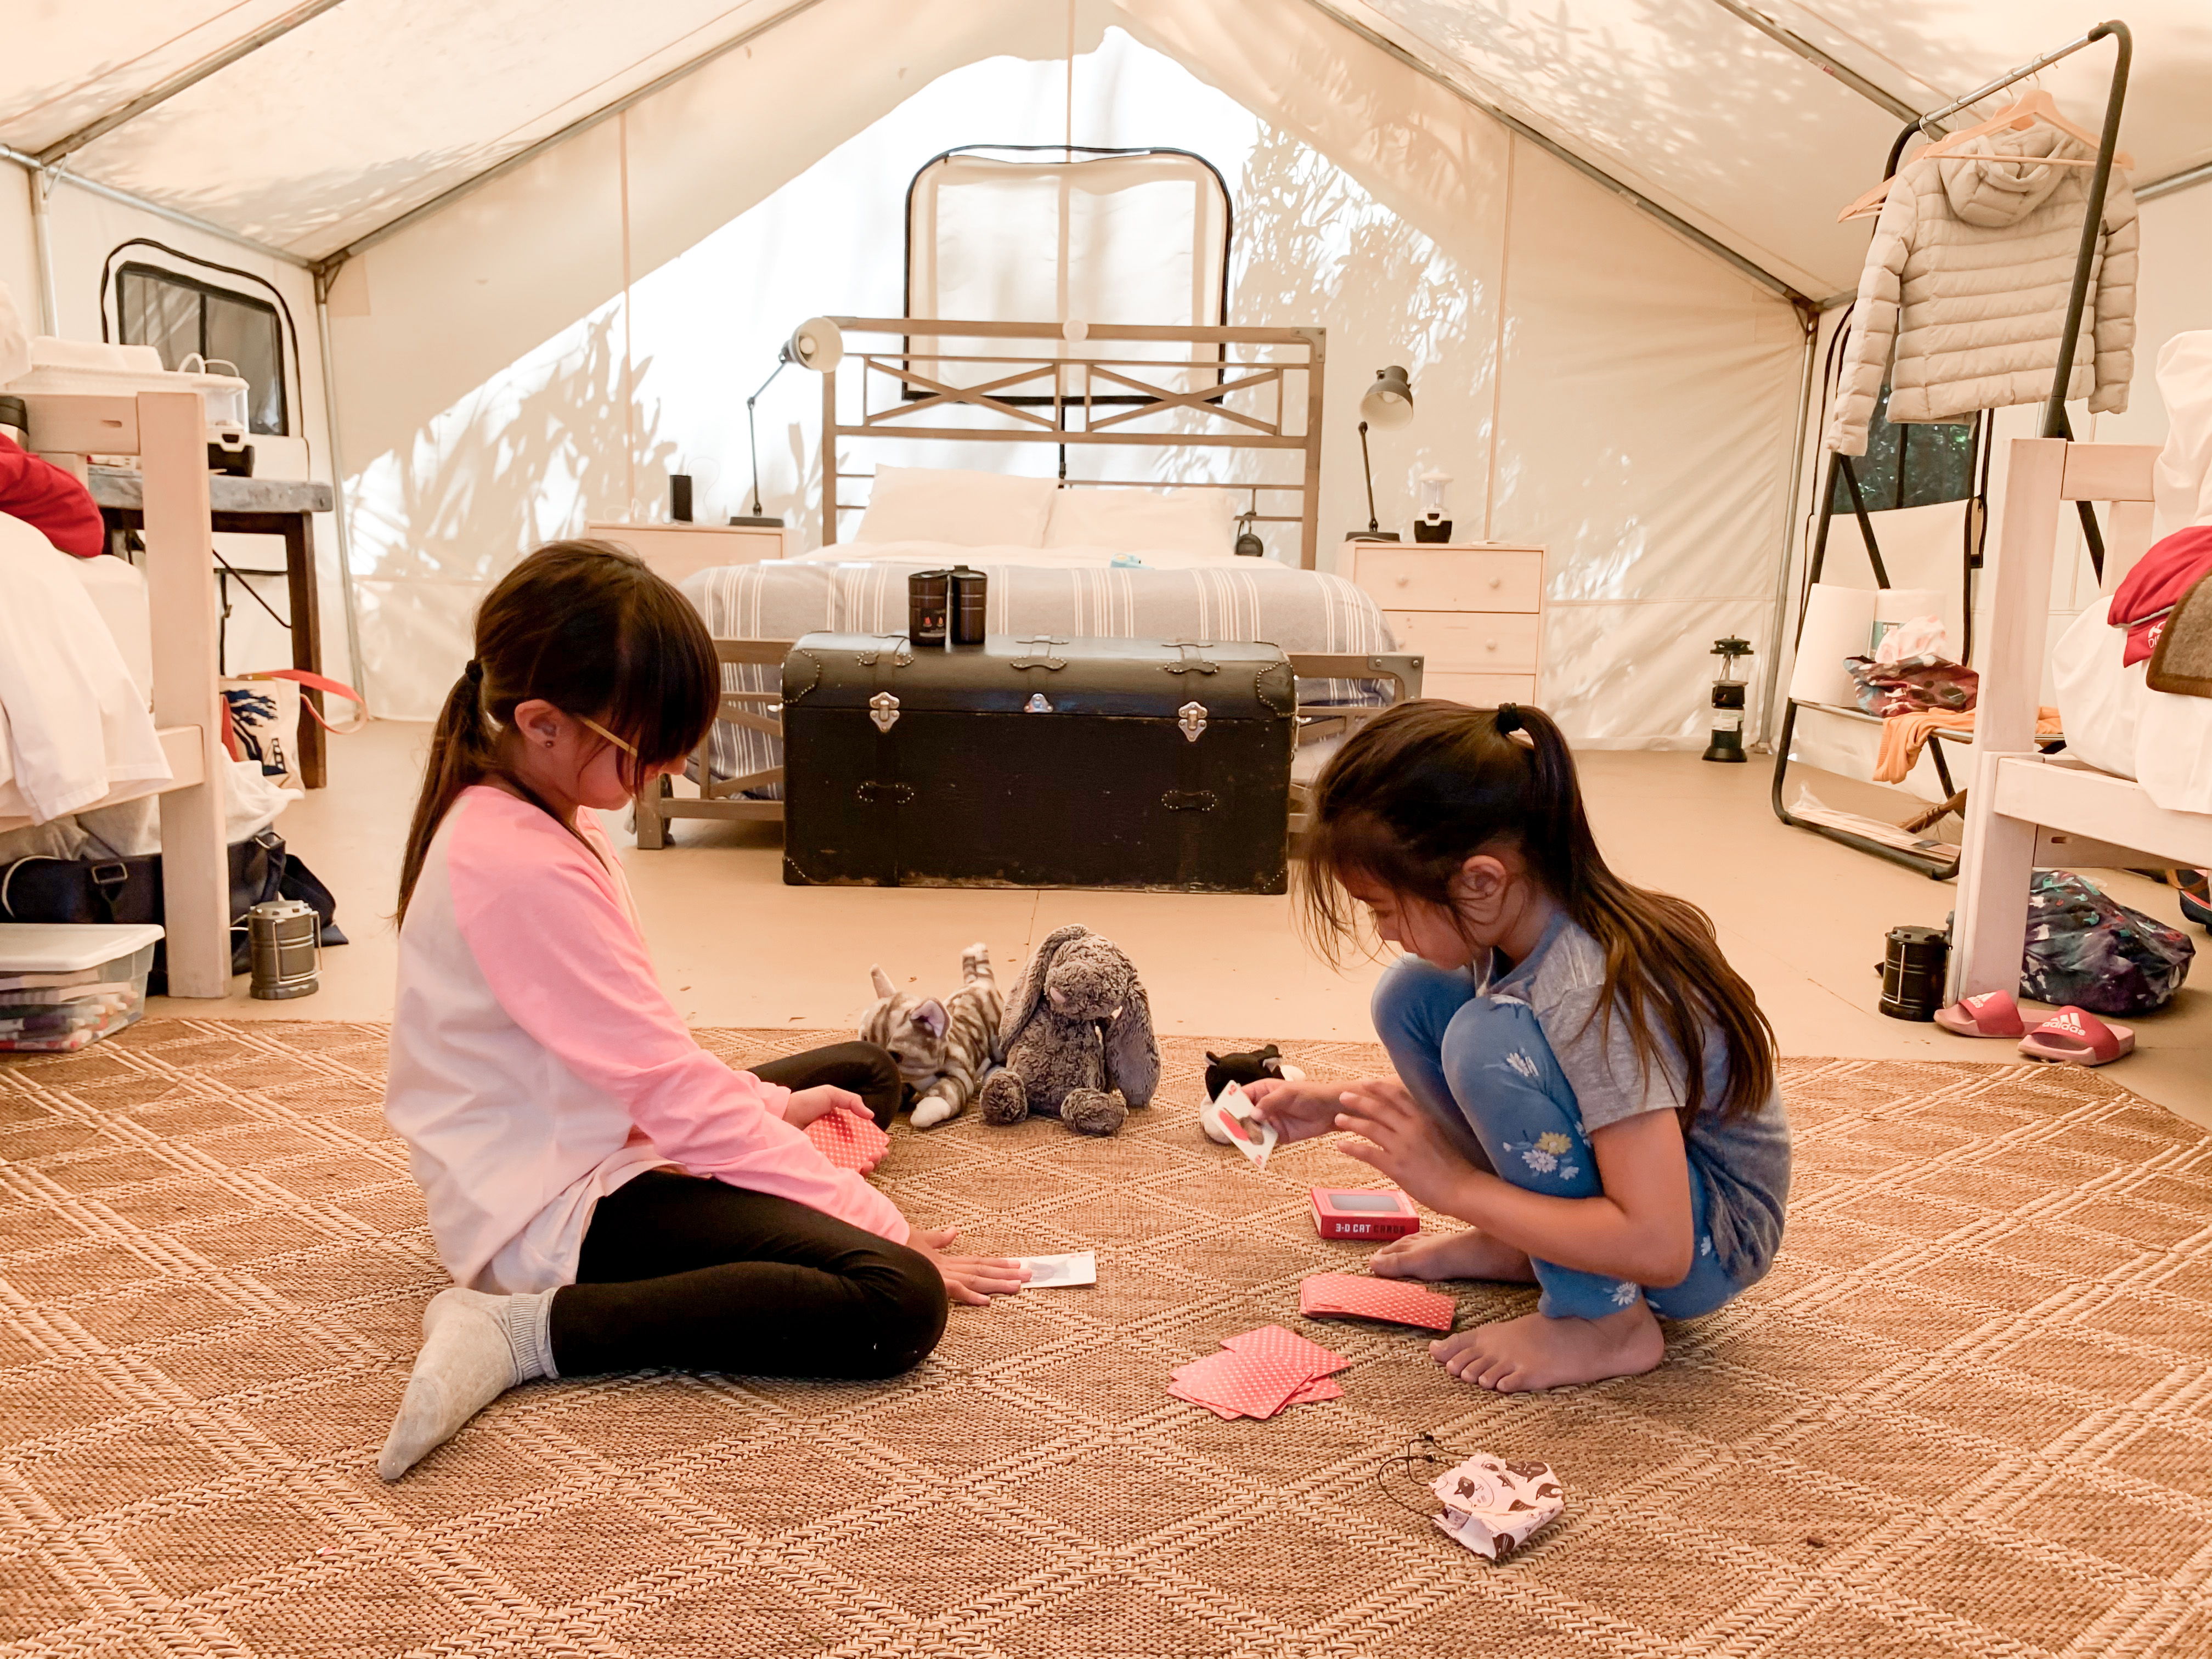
{"x": 1364, "y": 1212}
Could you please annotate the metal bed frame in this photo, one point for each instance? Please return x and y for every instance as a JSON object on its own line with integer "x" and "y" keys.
{"x": 1058, "y": 406}
{"x": 1065, "y": 412}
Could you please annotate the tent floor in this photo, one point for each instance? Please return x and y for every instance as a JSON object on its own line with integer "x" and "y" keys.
{"x": 1803, "y": 918}
{"x": 1964, "y": 1414}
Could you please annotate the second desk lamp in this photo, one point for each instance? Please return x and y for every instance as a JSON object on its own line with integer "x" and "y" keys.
{"x": 1388, "y": 404}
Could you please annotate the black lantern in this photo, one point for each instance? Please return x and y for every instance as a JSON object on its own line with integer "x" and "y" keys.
{"x": 1727, "y": 702}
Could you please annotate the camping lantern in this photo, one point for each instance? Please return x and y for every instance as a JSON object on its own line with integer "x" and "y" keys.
{"x": 1432, "y": 525}
{"x": 1727, "y": 702}
{"x": 285, "y": 939}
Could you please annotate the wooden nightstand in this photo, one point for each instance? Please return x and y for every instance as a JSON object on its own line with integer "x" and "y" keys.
{"x": 675, "y": 550}
{"x": 1474, "y": 611}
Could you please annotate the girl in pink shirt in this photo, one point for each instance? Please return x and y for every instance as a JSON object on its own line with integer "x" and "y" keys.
{"x": 607, "y": 1194}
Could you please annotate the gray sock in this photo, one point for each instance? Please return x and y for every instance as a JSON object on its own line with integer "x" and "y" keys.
{"x": 475, "y": 1348}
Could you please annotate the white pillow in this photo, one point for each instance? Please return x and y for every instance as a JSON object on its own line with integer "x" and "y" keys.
{"x": 966, "y": 509}
{"x": 1201, "y": 523}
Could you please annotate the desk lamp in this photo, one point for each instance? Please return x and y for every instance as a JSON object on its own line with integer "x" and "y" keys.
{"x": 815, "y": 344}
{"x": 1388, "y": 403}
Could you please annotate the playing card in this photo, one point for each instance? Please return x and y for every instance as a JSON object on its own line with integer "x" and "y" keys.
{"x": 847, "y": 1139}
{"x": 1257, "y": 1387}
{"x": 1274, "y": 1342}
{"x": 1247, "y": 1132}
{"x": 1055, "y": 1272}
{"x": 1316, "y": 1390}
{"x": 1223, "y": 1412}
{"x": 1353, "y": 1295}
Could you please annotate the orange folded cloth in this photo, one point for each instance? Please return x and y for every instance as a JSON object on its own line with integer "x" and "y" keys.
{"x": 1904, "y": 735}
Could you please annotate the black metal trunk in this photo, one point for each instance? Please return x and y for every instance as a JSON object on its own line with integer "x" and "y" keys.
{"x": 1037, "y": 761}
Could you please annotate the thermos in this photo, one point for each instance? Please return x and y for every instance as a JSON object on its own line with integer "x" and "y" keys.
{"x": 928, "y": 595}
{"x": 971, "y": 592}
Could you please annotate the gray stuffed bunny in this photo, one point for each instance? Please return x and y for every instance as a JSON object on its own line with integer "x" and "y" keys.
{"x": 1077, "y": 1038}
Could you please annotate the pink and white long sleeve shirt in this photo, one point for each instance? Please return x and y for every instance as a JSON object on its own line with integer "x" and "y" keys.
{"x": 536, "y": 1066}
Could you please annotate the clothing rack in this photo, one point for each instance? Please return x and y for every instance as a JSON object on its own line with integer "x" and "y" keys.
{"x": 2054, "y": 425}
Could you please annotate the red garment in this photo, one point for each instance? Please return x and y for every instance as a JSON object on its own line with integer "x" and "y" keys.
{"x": 50, "y": 501}
{"x": 2143, "y": 600}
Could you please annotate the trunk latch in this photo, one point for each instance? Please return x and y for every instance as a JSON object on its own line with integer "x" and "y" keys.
{"x": 1191, "y": 717}
{"x": 1037, "y": 704}
{"x": 883, "y": 710}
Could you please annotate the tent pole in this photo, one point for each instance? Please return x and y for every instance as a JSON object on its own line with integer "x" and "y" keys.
{"x": 41, "y": 183}
{"x": 124, "y": 198}
{"x": 1812, "y": 54}
{"x": 184, "y": 80}
{"x": 1795, "y": 493}
{"x": 325, "y": 275}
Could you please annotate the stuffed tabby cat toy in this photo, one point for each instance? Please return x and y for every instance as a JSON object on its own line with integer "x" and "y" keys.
{"x": 1077, "y": 1038}
{"x": 942, "y": 1050}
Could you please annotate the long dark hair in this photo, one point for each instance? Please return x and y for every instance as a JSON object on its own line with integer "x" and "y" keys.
{"x": 586, "y": 627}
{"x": 1426, "y": 786}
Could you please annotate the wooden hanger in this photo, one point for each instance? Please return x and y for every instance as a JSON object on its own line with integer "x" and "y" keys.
{"x": 2036, "y": 105}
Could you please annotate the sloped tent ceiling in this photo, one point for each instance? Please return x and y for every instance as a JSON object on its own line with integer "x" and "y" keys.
{"x": 370, "y": 108}
{"x": 363, "y": 112}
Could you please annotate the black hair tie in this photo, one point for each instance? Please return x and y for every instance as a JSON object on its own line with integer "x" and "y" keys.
{"x": 1509, "y": 718}
{"x": 474, "y": 672}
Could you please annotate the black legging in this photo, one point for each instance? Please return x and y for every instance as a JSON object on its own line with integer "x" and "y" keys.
{"x": 695, "y": 1274}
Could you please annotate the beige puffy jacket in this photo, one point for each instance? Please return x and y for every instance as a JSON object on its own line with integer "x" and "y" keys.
{"x": 1967, "y": 279}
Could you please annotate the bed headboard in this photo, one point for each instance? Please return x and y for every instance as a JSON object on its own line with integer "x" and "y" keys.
{"x": 1249, "y": 389}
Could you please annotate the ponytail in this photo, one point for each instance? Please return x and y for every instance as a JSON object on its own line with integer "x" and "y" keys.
{"x": 585, "y": 626}
{"x": 1425, "y": 786}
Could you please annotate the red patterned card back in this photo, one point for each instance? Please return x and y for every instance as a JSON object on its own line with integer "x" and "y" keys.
{"x": 1255, "y": 1387}
{"x": 1274, "y": 1342}
{"x": 1353, "y": 1296}
{"x": 847, "y": 1140}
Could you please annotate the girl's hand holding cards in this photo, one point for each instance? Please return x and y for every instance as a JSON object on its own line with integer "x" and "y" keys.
{"x": 1401, "y": 1140}
{"x": 1298, "y": 1111}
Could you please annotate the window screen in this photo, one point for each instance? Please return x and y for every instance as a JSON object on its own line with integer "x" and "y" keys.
{"x": 178, "y": 316}
{"x": 1030, "y": 234}
{"x": 1916, "y": 464}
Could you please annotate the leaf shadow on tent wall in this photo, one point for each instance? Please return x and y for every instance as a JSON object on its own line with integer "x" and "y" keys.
{"x": 1313, "y": 246}
{"x": 517, "y": 463}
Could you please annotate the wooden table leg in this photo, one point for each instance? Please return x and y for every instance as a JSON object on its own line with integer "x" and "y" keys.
{"x": 306, "y": 639}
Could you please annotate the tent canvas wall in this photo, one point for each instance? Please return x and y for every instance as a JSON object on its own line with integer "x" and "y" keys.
{"x": 1584, "y": 231}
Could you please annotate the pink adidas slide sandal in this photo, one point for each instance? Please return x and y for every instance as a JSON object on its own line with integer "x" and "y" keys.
{"x": 2074, "y": 1037}
{"x": 1992, "y": 1014}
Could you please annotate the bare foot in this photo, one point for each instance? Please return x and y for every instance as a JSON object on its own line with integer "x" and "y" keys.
{"x": 1471, "y": 1254}
{"x": 1533, "y": 1351}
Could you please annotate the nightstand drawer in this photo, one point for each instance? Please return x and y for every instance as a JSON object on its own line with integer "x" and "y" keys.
{"x": 1480, "y": 690}
{"x": 1469, "y": 641}
{"x": 1452, "y": 578}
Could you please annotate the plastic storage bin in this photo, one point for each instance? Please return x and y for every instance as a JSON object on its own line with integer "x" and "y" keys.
{"x": 65, "y": 986}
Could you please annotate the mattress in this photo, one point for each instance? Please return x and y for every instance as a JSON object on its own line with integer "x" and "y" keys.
{"x": 862, "y": 588}
{"x": 2118, "y": 724}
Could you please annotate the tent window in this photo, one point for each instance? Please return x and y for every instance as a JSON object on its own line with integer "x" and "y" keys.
{"x": 1028, "y": 233}
{"x": 178, "y": 316}
{"x": 1910, "y": 465}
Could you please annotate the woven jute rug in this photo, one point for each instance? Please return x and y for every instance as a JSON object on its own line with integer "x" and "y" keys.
{"x": 1970, "y": 1412}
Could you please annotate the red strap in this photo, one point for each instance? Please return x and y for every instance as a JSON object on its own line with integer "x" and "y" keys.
{"x": 316, "y": 681}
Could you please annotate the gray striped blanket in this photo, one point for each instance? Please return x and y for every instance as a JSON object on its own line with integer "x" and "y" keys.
{"x": 1300, "y": 610}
